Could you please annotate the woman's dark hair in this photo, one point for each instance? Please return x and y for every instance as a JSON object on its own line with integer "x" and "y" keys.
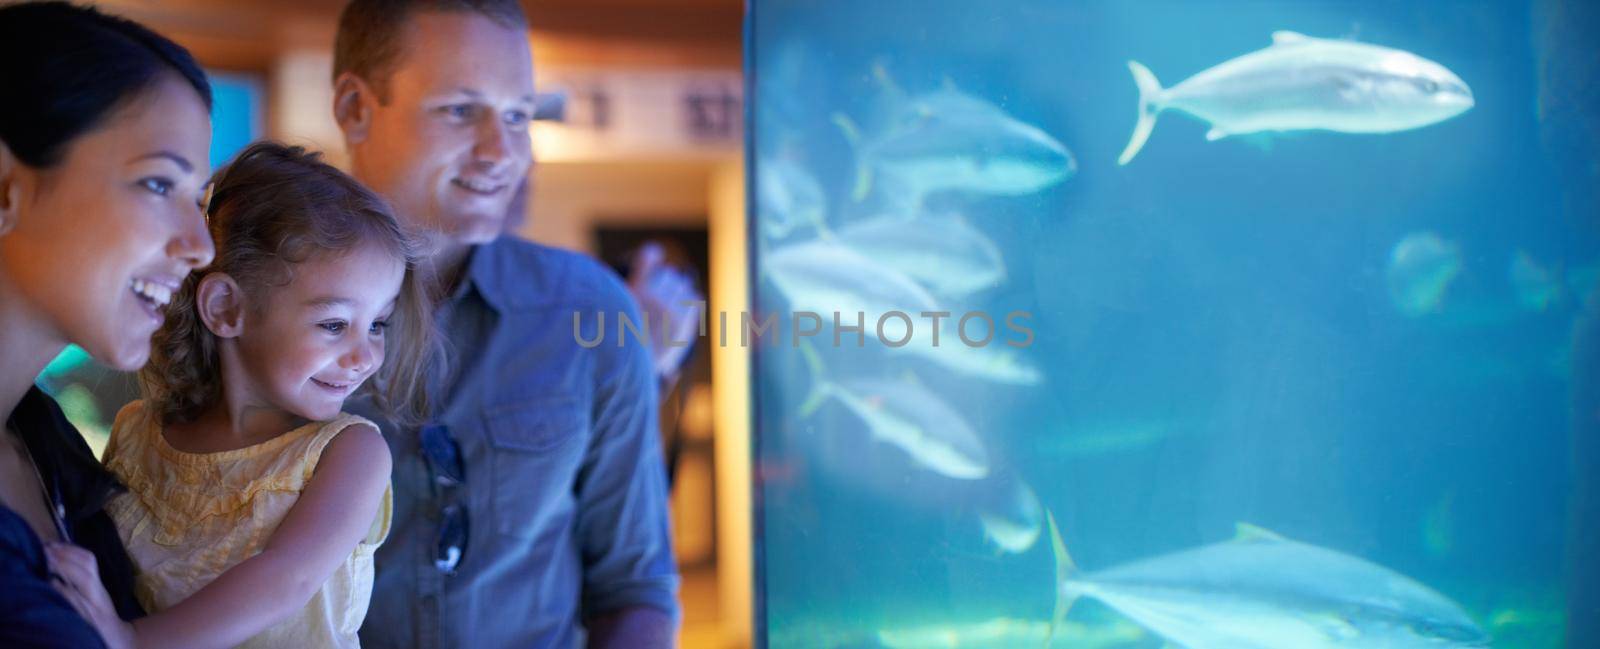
{"x": 65, "y": 68}
{"x": 272, "y": 208}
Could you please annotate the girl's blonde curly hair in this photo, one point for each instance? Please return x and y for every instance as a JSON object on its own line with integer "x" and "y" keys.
{"x": 272, "y": 208}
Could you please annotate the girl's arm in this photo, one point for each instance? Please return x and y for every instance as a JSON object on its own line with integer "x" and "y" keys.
{"x": 332, "y": 515}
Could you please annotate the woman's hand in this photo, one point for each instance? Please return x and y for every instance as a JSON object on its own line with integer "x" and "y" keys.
{"x": 76, "y": 574}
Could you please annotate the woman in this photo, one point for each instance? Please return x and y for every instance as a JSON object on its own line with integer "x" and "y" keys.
{"x": 104, "y": 132}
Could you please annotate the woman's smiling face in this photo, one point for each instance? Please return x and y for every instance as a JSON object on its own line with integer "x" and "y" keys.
{"x": 102, "y": 239}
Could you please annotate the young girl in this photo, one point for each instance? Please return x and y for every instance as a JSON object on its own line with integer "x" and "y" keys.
{"x": 255, "y": 504}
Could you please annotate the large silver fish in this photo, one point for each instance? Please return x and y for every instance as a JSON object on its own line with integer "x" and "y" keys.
{"x": 950, "y": 141}
{"x": 995, "y": 362}
{"x": 827, "y": 278}
{"x": 941, "y": 251}
{"x": 1301, "y": 83}
{"x": 913, "y": 419}
{"x": 905, "y": 414}
{"x": 1262, "y": 591}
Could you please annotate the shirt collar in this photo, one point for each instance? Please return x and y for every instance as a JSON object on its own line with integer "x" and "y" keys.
{"x": 513, "y": 275}
{"x": 65, "y": 462}
{"x": 483, "y": 276}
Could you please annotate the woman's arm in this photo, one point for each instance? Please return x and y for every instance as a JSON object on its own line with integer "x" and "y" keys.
{"x": 332, "y": 515}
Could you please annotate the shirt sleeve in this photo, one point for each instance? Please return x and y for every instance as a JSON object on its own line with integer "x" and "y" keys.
{"x": 622, "y": 514}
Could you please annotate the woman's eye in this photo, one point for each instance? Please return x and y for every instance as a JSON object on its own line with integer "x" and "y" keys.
{"x": 378, "y": 327}
{"x": 157, "y": 186}
{"x": 333, "y": 327}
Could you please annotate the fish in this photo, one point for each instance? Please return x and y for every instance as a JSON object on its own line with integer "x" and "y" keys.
{"x": 941, "y": 251}
{"x": 1105, "y": 437}
{"x": 995, "y": 362}
{"x": 1306, "y": 83}
{"x": 787, "y": 197}
{"x": 1013, "y": 523}
{"x": 1263, "y": 591}
{"x": 951, "y": 141}
{"x": 997, "y": 633}
{"x": 911, "y": 418}
{"x": 1421, "y": 267}
{"x": 824, "y": 276}
{"x": 1537, "y": 288}
{"x": 904, "y": 413}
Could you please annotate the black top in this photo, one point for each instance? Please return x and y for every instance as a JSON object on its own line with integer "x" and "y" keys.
{"x": 32, "y": 614}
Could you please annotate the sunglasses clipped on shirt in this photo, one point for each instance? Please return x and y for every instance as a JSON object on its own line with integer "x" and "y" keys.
{"x": 449, "y": 474}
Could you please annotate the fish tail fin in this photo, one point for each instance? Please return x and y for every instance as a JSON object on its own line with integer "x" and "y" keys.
{"x": 848, "y": 128}
{"x": 819, "y": 224}
{"x": 880, "y": 73}
{"x": 819, "y": 389}
{"x": 1065, "y": 568}
{"x": 1149, "y": 106}
{"x": 863, "y": 184}
{"x": 824, "y": 232}
{"x": 863, "y": 174}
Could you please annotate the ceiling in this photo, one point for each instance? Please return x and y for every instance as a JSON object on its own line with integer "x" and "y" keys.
{"x": 250, "y": 34}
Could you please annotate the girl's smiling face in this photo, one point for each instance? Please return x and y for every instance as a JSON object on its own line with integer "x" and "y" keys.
{"x": 307, "y": 346}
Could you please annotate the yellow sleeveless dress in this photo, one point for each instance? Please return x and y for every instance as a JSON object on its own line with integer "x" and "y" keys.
{"x": 188, "y": 517}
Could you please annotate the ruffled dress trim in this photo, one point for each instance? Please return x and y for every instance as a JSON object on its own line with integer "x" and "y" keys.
{"x": 183, "y": 491}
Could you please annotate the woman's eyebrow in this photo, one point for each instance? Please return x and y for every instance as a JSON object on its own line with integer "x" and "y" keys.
{"x": 182, "y": 162}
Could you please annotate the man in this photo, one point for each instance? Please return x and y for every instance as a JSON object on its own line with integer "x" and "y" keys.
{"x": 531, "y": 506}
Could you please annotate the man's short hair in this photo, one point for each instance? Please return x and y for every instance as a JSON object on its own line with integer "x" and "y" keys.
{"x": 371, "y": 32}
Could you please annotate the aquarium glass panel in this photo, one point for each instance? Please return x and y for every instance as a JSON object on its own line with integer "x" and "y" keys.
{"x": 1142, "y": 324}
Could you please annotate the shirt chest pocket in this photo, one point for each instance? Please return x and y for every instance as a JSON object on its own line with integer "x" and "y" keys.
{"x": 536, "y": 448}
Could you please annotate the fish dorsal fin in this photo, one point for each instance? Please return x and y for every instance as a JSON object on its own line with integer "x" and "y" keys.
{"x": 950, "y": 218}
{"x": 852, "y": 135}
{"x": 847, "y": 128}
{"x": 1286, "y": 37}
{"x": 821, "y": 388}
{"x": 1243, "y": 531}
{"x": 880, "y": 74}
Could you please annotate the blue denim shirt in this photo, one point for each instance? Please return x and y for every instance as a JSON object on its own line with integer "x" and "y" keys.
{"x": 565, "y": 486}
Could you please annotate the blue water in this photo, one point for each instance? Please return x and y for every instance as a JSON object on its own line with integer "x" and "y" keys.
{"x": 1215, "y": 323}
